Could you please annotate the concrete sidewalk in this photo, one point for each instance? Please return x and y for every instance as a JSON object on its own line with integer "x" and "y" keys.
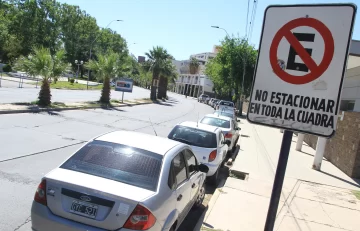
{"x": 310, "y": 200}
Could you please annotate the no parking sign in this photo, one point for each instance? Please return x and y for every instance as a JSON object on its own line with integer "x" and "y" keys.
{"x": 300, "y": 69}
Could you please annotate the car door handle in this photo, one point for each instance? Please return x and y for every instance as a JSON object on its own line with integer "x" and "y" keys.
{"x": 179, "y": 197}
{"x": 193, "y": 185}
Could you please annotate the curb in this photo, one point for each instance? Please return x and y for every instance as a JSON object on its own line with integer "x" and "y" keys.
{"x": 37, "y": 110}
{"x": 211, "y": 204}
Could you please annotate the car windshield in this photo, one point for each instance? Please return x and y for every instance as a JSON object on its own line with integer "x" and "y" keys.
{"x": 226, "y": 103}
{"x": 117, "y": 162}
{"x": 217, "y": 122}
{"x": 225, "y": 113}
{"x": 193, "y": 136}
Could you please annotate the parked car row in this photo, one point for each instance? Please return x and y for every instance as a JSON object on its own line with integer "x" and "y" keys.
{"x": 126, "y": 180}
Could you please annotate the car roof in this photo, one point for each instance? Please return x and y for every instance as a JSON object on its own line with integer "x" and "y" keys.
{"x": 218, "y": 116}
{"x": 199, "y": 126}
{"x": 151, "y": 143}
{"x": 228, "y": 111}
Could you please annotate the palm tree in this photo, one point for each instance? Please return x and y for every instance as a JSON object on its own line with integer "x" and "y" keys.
{"x": 168, "y": 74}
{"x": 194, "y": 65}
{"x": 157, "y": 58}
{"x": 106, "y": 67}
{"x": 41, "y": 63}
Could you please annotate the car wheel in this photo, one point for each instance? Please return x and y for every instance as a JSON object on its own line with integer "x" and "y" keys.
{"x": 200, "y": 197}
{"x": 212, "y": 180}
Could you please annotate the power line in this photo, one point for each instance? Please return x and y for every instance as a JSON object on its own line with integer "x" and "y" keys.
{"x": 247, "y": 19}
{"x": 252, "y": 22}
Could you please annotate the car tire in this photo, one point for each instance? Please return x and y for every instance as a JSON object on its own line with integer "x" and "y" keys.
{"x": 200, "y": 197}
{"x": 212, "y": 180}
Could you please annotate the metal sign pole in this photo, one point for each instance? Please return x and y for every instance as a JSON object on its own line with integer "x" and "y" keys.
{"x": 279, "y": 180}
{"x": 122, "y": 98}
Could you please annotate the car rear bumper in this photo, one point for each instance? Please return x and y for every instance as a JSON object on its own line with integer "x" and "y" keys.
{"x": 43, "y": 219}
{"x": 212, "y": 169}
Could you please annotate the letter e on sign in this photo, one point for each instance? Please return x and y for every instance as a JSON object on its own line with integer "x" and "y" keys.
{"x": 303, "y": 52}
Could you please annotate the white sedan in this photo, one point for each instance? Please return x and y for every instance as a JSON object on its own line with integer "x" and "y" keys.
{"x": 228, "y": 126}
{"x": 207, "y": 142}
{"x": 121, "y": 181}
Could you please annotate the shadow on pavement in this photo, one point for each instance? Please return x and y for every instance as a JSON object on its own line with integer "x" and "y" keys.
{"x": 346, "y": 181}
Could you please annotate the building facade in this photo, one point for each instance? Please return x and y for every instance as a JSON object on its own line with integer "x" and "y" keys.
{"x": 350, "y": 96}
{"x": 195, "y": 84}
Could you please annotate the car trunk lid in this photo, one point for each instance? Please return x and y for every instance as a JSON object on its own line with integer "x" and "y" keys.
{"x": 92, "y": 200}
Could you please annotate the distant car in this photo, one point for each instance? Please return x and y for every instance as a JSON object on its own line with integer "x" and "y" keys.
{"x": 115, "y": 182}
{"x": 228, "y": 113}
{"x": 228, "y": 126}
{"x": 215, "y": 103}
{"x": 210, "y": 101}
{"x": 225, "y": 105}
{"x": 203, "y": 98}
{"x": 207, "y": 142}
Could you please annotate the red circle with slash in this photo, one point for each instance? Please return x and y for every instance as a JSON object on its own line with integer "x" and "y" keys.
{"x": 315, "y": 70}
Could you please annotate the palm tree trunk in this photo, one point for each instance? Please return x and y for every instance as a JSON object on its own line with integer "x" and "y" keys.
{"x": 162, "y": 90}
{"x": 153, "y": 88}
{"x": 105, "y": 92}
{"x": 45, "y": 94}
{"x": 166, "y": 86}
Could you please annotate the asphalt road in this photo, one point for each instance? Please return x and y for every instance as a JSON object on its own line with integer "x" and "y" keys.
{"x": 33, "y": 144}
{"x": 11, "y": 93}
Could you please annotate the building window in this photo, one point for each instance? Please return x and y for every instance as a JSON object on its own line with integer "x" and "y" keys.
{"x": 347, "y": 105}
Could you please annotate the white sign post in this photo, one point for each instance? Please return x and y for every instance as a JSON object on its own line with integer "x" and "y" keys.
{"x": 298, "y": 79}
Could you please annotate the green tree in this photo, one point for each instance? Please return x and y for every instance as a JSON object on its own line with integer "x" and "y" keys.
{"x": 227, "y": 68}
{"x": 194, "y": 65}
{"x": 42, "y": 64}
{"x": 157, "y": 58}
{"x": 105, "y": 68}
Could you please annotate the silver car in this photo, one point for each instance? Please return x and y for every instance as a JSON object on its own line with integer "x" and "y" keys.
{"x": 228, "y": 126}
{"x": 121, "y": 181}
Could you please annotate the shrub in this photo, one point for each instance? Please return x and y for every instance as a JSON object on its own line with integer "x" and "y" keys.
{"x": 7, "y": 68}
{"x": 72, "y": 80}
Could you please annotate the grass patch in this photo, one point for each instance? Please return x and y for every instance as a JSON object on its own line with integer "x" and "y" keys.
{"x": 357, "y": 194}
{"x": 115, "y": 101}
{"x": 73, "y": 86}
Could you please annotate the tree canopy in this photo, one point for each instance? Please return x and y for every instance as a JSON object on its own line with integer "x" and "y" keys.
{"x": 226, "y": 69}
{"x": 25, "y": 24}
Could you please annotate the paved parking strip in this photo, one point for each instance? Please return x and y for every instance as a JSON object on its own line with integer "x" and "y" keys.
{"x": 33, "y": 144}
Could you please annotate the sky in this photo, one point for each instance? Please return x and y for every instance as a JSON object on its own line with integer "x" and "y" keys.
{"x": 183, "y": 27}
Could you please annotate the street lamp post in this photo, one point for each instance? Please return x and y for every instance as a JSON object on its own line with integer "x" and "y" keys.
{"x": 78, "y": 64}
{"x": 216, "y": 27}
{"x": 91, "y": 45}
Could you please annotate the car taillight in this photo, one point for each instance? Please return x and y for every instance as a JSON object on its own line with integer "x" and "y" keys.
{"x": 212, "y": 155}
{"x": 140, "y": 219}
{"x": 228, "y": 135}
{"x": 40, "y": 195}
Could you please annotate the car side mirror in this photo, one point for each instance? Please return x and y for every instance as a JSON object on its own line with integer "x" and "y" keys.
{"x": 203, "y": 168}
{"x": 238, "y": 129}
{"x": 228, "y": 142}
{"x": 237, "y": 120}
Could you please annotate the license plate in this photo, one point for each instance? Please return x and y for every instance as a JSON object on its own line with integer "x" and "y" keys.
{"x": 84, "y": 209}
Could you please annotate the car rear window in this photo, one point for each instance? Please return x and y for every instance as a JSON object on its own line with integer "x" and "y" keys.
{"x": 217, "y": 122}
{"x": 193, "y": 136}
{"x": 226, "y": 103}
{"x": 117, "y": 162}
{"x": 227, "y": 114}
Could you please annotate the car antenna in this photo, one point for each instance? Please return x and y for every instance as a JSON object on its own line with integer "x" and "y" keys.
{"x": 152, "y": 126}
{"x": 197, "y": 122}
